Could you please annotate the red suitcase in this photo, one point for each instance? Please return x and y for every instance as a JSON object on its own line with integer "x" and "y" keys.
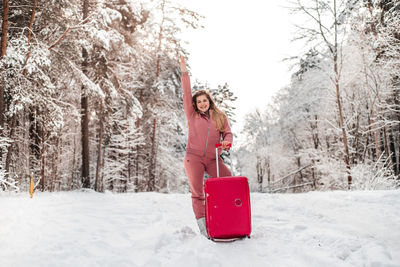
{"x": 228, "y": 213}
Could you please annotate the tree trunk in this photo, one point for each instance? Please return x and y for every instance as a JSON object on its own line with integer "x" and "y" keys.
{"x": 96, "y": 184}
{"x": 4, "y": 30}
{"x": 3, "y": 50}
{"x": 29, "y": 35}
{"x": 71, "y": 183}
{"x": 371, "y": 106}
{"x": 268, "y": 173}
{"x": 53, "y": 176}
{"x": 60, "y": 183}
{"x": 85, "y": 113}
{"x": 130, "y": 156}
{"x": 160, "y": 36}
{"x": 338, "y": 100}
{"x": 129, "y": 170}
{"x": 10, "y": 148}
{"x": 314, "y": 180}
{"x": 42, "y": 167}
{"x": 314, "y": 132}
{"x": 396, "y": 143}
{"x": 260, "y": 173}
{"x": 328, "y": 146}
{"x": 85, "y": 142}
{"x": 392, "y": 147}
{"x": 367, "y": 143}
{"x": 301, "y": 176}
{"x": 151, "y": 182}
{"x": 153, "y": 156}
{"x": 13, "y": 126}
{"x": 357, "y": 156}
{"x": 102, "y": 185}
{"x": 136, "y": 181}
{"x": 396, "y": 134}
{"x": 385, "y": 142}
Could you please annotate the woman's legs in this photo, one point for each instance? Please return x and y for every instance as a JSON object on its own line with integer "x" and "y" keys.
{"x": 211, "y": 168}
{"x": 194, "y": 168}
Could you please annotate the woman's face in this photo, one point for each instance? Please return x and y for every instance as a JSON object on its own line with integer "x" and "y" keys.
{"x": 202, "y": 103}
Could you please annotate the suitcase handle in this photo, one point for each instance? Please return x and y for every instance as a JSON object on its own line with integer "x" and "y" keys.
{"x": 219, "y": 145}
{"x": 216, "y": 157}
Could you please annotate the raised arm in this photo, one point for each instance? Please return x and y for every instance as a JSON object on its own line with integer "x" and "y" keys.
{"x": 227, "y": 136}
{"x": 187, "y": 91}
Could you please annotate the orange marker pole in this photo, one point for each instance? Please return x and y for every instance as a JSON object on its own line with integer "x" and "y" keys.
{"x": 31, "y": 188}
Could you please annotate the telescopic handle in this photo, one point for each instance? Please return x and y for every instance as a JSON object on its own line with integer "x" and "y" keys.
{"x": 216, "y": 157}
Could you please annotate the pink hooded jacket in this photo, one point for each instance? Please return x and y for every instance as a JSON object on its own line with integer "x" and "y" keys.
{"x": 203, "y": 133}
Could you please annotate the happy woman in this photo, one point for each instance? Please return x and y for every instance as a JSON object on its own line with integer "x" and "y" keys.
{"x": 208, "y": 126}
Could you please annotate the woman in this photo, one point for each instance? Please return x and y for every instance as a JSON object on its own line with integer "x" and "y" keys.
{"x": 208, "y": 126}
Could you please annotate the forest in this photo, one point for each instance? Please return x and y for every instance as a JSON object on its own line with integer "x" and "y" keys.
{"x": 90, "y": 97}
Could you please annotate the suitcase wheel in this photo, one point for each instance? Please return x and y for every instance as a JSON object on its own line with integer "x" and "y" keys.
{"x": 248, "y": 236}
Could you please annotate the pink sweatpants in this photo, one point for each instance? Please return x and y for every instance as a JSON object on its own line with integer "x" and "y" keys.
{"x": 195, "y": 166}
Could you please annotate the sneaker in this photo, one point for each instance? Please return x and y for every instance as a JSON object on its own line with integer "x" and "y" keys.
{"x": 202, "y": 226}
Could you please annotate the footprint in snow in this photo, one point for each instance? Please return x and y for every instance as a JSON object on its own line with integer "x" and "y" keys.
{"x": 185, "y": 233}
{"x": 300, "y": 228}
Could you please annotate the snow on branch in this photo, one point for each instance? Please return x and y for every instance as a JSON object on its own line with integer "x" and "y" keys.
{"x": 7, "y": 183}
{"x": 88, "y": 83}
{"x": 82, "y": 24}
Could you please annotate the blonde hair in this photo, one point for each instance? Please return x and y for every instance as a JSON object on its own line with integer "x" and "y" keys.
{"x": 216, "y": 114}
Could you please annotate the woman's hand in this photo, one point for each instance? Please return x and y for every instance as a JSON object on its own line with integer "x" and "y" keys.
{"x": 183, "y": 64}
{"x": 225, "y": 145}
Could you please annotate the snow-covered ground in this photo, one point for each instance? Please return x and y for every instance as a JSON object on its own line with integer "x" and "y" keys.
{"x": 151, "y": 229}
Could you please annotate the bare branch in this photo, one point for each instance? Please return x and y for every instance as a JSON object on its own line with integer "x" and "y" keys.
{"x": 330, "y": 46}
{"x": 80, "y": 25}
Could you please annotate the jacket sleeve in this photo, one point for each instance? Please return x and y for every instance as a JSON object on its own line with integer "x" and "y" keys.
{"x": 227, "y": 134}
{"x": 187, "y": 95}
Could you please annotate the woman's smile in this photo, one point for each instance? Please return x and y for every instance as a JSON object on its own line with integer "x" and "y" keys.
{"x": 202, "y": 103}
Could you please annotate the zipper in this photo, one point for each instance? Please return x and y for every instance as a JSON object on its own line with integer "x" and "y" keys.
{"x": 208, "y": 132}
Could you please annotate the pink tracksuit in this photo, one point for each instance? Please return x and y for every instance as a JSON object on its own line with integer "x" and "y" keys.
{"x": 200, "y": 148}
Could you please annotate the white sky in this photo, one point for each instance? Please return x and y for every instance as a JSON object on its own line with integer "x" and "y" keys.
{"x": 243, "y": 43}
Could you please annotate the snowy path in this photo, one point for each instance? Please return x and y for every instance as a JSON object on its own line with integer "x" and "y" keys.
{"x": 150, "y": 229}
